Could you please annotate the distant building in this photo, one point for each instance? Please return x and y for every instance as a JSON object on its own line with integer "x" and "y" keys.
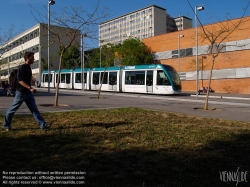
{"x": 183, "y": 22}
{"x": 143, "y": 23}
{"x": 34, "y": 39}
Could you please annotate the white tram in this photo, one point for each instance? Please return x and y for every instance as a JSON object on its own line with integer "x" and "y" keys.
{"x": 153, "y": 79}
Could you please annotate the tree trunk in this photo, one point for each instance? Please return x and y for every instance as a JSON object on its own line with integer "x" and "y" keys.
{"x": 58, "y": 79}
{"x": 209, "y": 83}
{"x": 99, "y": 91}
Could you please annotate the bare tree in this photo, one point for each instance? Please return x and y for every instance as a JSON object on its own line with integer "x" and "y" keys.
{"x": 79, "y": 22}
{"x": 109, "y": 53}
{"x": 5, "y": 39}
{"x": 215, "y": 35}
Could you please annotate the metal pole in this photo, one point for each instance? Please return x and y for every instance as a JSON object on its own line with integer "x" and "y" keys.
{"x": 200, "y": 8}
{"x": 179, "y": 36}
{"x": 82, "y": 60}
{"x": 196, "y": 39}
{"x": 202, "y": 71}
{"x": 100, "y": 56}
{"x": 40, "y": 63}
{"x": 50, "y": 2}
{"x": 179, "y": 54}
{"x": 8, "y": 70}
{"x": 48, "y": 47}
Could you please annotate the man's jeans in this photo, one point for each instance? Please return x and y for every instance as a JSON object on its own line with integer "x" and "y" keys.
{"x": 29, "y": 99}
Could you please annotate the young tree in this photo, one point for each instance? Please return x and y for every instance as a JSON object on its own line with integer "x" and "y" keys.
{"x": 202, "y": 65}
{"x": 215, "y": 35}
{"x": 108, "y": 55}
{"x": 79, "y": 22}
{"x": 134, "y": 52}
{"x": 109, "y": 52}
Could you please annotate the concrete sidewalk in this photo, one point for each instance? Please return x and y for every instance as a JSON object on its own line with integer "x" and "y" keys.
{"x": 222, "y": 95}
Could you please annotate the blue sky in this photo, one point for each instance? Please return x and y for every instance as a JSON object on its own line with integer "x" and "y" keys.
{"x": 18, "y": 12}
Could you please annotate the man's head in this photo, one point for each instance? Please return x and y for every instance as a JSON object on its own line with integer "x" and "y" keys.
{"x": 29, "y": 57}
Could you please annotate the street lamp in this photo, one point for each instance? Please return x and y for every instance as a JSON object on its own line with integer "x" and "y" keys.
{"x": 40, "y": 63}
{"x": 82, "y": 60}
{"x": 179, "y": 36}
{"x": 199, "y": 8}
{"x": 50, "y": 2}
{"x": 100, "y": 56}
{"x": 8, "y": 69}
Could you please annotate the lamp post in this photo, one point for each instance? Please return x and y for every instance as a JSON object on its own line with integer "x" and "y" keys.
{"x": 199, "y": 8}
{"x": 8, "y": 70}
{"x": 82, "y": 60}
{"x": 40, "y": 64}
{"x": 100, "y": 56}
{"x": 50, "y": 2}
{"x": 179, "y": 36}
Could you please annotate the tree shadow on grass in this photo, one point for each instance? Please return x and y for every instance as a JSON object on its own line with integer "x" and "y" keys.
{"x": 111, "y": 166}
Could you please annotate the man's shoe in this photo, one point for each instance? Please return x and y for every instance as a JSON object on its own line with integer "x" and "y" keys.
{"x": 46, "y": 126}
{"x": 7, "y": 129}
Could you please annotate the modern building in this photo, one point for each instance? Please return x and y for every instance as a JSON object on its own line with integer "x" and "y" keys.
{"x": 34, "y": 39}
{"x": 143, "y": 23}
{"x": 231, "y": 70}
{"x": 183, "y": 22}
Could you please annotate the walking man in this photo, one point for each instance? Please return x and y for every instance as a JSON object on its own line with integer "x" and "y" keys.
{"x": 24, "y": 93}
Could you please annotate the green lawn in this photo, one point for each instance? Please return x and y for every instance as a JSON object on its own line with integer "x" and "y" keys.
{"x": 129, "y": 147}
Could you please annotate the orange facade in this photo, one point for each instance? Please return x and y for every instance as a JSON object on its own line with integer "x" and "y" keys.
{"x": 225, "y": 60}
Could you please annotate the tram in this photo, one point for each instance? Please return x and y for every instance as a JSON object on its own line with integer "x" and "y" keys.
{"x": 151, "y": 79}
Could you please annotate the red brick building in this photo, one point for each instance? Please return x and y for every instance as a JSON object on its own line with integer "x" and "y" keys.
{"x": 231, "y": 72}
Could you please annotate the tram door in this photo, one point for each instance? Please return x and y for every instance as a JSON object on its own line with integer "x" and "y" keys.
{"x": 113, "y": 81}
{"x": 149, "y": 82}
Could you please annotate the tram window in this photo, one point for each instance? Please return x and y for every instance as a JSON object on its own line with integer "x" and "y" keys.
{"x": 85, "y": 77}
{"x": 96, "y": 78}
{"x": 162, "y": 78}
{"x": 67, "y": 78}
{"x": 46, "y": 78}
{"x": 140, "y": 77}
{"x": 105, "y": 78}
{"x": 130, "y": 77}
{"x": 112, "y": 78}
{"x": 56, "y": 77}
{"x": 62, "y": 78}
{"x": 78, "y": 78}
{"x": 149, "y": 78}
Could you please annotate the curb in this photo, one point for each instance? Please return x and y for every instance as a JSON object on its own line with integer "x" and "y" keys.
{"x": 223, "y": 97}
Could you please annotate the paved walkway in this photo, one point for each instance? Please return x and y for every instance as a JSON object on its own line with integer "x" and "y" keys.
{"x": 228, "y": 106}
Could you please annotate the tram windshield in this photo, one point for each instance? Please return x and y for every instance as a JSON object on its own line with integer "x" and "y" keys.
{"x": 173, "y": 74}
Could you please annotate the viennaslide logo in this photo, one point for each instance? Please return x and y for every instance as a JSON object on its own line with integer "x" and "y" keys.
{"x": 234, "y": 176}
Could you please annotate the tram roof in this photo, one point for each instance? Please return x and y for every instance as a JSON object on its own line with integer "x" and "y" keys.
{"x": 107, "y": 69}
{"x": 150, "y": 66}
{"x": 46, "y": 71}
{"x": 65, "y": 71}
{"x": 80, "y": 69}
